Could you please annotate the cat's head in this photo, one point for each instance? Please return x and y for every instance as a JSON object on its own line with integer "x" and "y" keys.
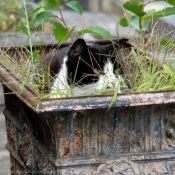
{"x": 91, "y": 63}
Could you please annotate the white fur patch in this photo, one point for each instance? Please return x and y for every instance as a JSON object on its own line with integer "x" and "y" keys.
{"x": 61, "y": 88}
{"x": 108, "y": 80}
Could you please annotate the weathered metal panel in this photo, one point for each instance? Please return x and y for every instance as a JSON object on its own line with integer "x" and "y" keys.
{"x": 136, "y": 139}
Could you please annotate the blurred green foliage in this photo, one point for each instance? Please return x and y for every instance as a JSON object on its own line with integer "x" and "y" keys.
{"x": 8, "y": 16}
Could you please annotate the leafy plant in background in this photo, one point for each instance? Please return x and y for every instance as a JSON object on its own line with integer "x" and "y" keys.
{"x": 26, "y": 29}
{"x": 141, "y": 17}
{"x": 63, "y": 32}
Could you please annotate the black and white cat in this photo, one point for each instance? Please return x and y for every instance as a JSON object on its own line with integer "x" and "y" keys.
{"x": 84, "y": 68}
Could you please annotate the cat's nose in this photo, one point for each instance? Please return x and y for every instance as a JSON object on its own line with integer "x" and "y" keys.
{"x": 113, "y": 83}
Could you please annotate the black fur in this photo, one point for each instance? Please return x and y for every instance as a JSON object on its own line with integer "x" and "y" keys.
{"x": 84, "y": 59}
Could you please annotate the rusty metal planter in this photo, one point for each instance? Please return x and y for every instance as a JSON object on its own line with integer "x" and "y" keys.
{"x": 81, "y": 136}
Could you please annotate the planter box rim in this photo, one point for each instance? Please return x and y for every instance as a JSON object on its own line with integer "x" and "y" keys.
{"x": 30, "y": 97}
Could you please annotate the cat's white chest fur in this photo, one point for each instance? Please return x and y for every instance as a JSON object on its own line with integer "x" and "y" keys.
{"x": 61, "y": 88}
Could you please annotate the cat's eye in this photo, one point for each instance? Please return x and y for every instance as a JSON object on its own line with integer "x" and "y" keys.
{"x": 116, "y": 71}
{"x": 98, "y": 71}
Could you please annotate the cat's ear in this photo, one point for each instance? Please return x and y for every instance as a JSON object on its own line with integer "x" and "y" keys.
{"x": 77, "y": 48}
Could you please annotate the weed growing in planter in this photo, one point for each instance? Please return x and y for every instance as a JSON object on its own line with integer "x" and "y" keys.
{"x": 149, "y": 72}
{"x": 148, "y": 75}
